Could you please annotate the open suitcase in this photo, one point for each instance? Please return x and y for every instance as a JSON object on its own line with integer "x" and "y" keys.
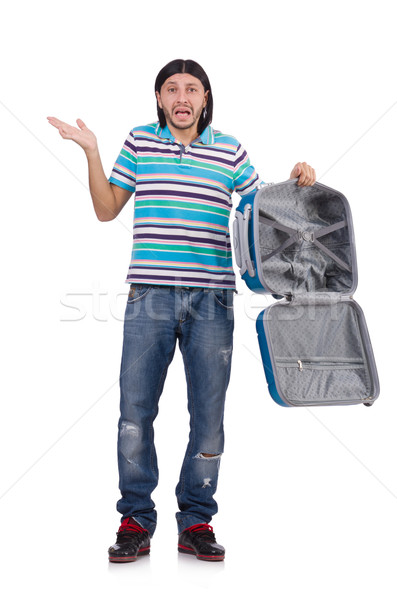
{"x": 297, "y": 243}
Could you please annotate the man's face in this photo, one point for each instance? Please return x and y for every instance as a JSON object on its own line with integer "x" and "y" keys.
{"x": 182, "y": 99}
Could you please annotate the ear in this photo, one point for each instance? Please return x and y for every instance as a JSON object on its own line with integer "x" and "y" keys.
{"x": 158, "y": 100}
{"x": 206, "y": 97}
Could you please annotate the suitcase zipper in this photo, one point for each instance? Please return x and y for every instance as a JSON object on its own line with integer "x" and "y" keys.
{"x": 320, "y": 364}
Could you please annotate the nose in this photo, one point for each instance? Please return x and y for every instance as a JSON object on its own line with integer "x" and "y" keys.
{"x": 182, "y": 96}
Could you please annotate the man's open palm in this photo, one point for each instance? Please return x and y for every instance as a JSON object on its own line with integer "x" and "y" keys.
{"x": 83, "y": 136}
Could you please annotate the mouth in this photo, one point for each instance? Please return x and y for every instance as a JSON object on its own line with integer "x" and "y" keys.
{"x": 182, "y": 113}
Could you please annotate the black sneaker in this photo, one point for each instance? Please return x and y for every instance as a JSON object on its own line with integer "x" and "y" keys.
{"x": 200, "y": 540}
{"x": 132, "y": 541}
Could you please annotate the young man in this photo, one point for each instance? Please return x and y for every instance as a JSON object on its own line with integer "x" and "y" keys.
{"x": 181, "y": 278}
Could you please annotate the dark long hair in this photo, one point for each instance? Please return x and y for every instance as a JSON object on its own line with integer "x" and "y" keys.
{"x": 186, "y": 66}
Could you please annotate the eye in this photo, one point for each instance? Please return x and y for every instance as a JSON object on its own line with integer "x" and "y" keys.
{"x": 171, "y": 89}
{"x": 192, "y": 90}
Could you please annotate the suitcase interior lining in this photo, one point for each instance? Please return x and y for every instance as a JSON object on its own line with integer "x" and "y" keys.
{"x": 303, "y": 267}
{"x": 318, "y": 353}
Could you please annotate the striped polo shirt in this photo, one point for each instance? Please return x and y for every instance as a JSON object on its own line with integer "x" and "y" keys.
{"x": 182, "y": 205}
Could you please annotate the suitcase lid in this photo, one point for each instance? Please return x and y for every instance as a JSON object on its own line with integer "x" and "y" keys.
{"x": 303, "y": 240}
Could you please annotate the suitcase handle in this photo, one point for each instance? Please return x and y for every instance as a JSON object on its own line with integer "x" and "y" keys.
{"x": 240, "y": 241}
{"x": 248, "y": 264}
{"x": 236, "y": 239}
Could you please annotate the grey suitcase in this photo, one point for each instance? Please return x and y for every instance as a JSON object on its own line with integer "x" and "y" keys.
{"x": 297, "y": 243}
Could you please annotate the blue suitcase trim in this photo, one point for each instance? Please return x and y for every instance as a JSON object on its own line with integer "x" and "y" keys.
{"x": 253, "y": 281}
{"x": 267, "y": 363}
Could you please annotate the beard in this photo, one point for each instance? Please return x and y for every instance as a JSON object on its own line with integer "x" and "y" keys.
{"x": 193, "y": 121}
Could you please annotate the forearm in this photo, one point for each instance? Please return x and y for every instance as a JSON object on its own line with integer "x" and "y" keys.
{"x": 102, "y": 195}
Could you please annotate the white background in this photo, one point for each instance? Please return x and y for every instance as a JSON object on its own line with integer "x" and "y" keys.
{"x": 308, "y": 498}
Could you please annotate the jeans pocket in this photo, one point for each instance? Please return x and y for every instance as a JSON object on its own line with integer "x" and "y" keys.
{"x": 137, "y": 291}
{"x": 224, "y": 297}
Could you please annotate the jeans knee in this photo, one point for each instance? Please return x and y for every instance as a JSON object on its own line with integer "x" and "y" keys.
{"x": 130, "y": 440}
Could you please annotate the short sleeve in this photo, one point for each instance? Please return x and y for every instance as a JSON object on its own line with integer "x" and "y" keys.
{"x": 124, "y": 170}
{"x": 245, "y": 178}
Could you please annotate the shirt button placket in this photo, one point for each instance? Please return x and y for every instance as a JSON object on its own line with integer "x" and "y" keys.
{"x": 186, "y": 157}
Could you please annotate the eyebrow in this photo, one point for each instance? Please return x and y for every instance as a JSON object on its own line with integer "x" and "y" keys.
{"x": 176, "y": 83}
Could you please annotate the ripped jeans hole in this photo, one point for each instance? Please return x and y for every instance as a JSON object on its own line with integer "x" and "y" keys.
{"x": 207, "y": 456}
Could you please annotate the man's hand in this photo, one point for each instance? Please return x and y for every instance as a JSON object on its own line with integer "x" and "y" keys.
{"x": 82, "y": 136}
{"x": 306, "y": 174}
{"x": 108, "y": 199}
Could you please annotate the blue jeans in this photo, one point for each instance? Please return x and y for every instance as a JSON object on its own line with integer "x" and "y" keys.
{"x": 201, "y": 319}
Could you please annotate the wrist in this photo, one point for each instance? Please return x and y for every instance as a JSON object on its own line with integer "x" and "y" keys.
{"x": 92, "y": 153}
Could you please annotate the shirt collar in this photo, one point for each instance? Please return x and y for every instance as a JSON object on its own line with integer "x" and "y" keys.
{"x": 206, "y": 137}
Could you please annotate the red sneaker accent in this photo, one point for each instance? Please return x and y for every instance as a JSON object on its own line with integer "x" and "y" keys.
{"x": 126, "y": 525}
{"x": 200, "y": 527}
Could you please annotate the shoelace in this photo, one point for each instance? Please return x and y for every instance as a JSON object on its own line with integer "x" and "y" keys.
{"x": 203, "y": 530}
{"x": 130, "y": 530}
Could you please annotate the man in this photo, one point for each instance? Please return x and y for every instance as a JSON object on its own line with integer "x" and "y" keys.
{"x": 181, "y": 278}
